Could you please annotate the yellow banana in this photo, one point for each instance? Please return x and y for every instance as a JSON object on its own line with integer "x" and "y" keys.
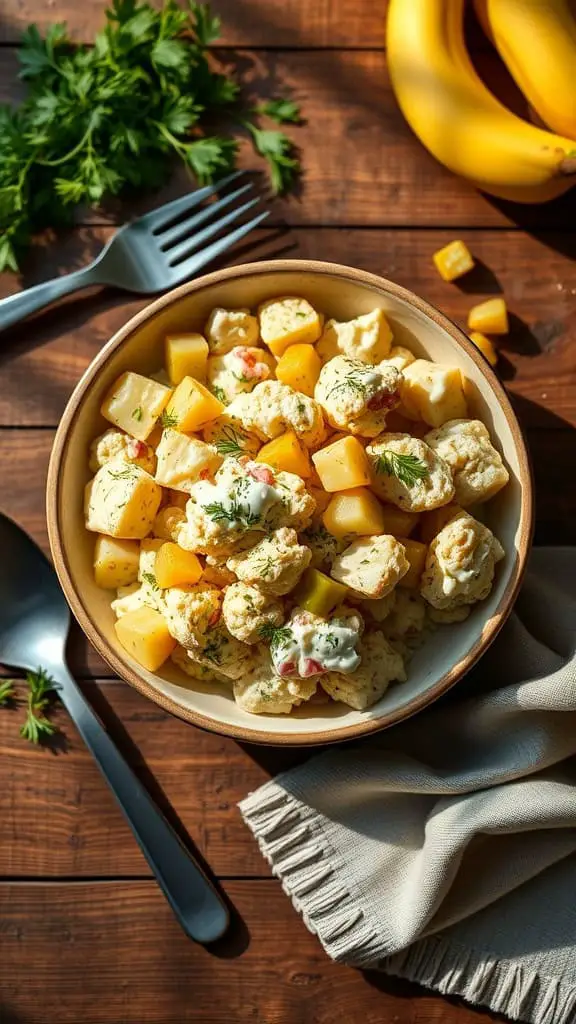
{"x": 458, "y": 119}
{"x": 537, "y": 41}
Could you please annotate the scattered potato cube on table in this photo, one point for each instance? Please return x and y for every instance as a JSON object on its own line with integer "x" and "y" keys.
{"x": 433, "y": 393}
{"x": 183, "y": 460}
{"x": 227, "y": 328}
{"x": 371, "y": 566}
{"x": 191, "y": 406}
{"x": 186, "y": 356}
{"x": 454, "y": 260}
{"x": 174, "y": 567}
{"x": 144, "y": 634}
{"x": 299, "y": 367}
{"x": 134, "y": 404}
{"x": 115, "y": 562}
{"x": 416, "y": 553}
{"x": 286, "y": 454}
{"x": 342, "y": 465}
{"x": 356, "y": 511}
{"x": 485, "y": 346}
{"x": 123, "y": 501}
{"x": 288, "y": 321}
{"x": 319, "y": 594}
{"x": 490, "y": 317}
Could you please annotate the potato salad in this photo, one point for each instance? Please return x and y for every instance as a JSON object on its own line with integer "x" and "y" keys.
{"x": 289, "y": 505}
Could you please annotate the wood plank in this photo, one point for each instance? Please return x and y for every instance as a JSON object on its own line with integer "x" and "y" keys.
{"x": 361, "y": 164}
{"x": 196, "y": 777}
{"x": 282, "y": 23}
{"x": 111, "y": 953}
{"x": 41, "y": 361}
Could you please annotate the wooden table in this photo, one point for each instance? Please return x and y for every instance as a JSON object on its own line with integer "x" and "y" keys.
{"x": 85, "y": 935}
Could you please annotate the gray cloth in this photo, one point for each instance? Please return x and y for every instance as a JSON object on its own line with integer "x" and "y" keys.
{"x": 444, "y": 850}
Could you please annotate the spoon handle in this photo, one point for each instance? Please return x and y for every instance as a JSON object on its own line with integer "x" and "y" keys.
{"x": 194, "y": 900}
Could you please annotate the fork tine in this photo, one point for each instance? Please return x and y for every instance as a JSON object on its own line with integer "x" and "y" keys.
{"x": 165, "y": 214}
{"x": 196, "y": 240}
{"x": 199, "y": 259}
{"x": 183, "y": 228}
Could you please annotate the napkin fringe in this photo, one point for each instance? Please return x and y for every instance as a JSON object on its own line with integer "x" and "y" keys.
{"x": 291, "y": 838}
{"x": 505, "y": 988}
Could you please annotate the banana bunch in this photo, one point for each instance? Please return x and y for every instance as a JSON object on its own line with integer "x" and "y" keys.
{"x": 459, "y": 120}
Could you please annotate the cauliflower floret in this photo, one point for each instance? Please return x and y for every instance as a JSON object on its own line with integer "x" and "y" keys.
{"x": 113, "y": 444}
{"x": 215, "y": 572}
{"x": 407, "y": 618}
{"x": 288, "y": 320}
{"x": 168, "y": 523}
{"x": 356, "y": 397}
{"x": 323, "y": 545}
{"x": 182, "y": 460}
{"x": 245, "y": 498}
{"x": 381, "y": 608}
{"x": 380, "y": 665}
{"x": 272, "y": 408}
{"x": 367, "y": 338}
{"x": 191, "y": 611}
{"x": 223, "y": 652}
{"x": 227, "y": 328}
{"x": 371, "y": 566}
{"x": 131, "y": 598}
{"x": 460, "y": 564}
{"x": 181, "y": 657}
{"x": 262, "y": 692}
{"x": 399, "y": 357}
{"x": 239, "y": 371}
{"x": 246, "y": 610}
{"x": 229, "y": 437}
{"x": 275, "y": 564}
{"x": 407, "y": 473}
{"x": 309, "y": 645}
{"x": 477, "y": 467}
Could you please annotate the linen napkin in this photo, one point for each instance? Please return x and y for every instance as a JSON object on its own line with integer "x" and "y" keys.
{"x": 444, "y": 850}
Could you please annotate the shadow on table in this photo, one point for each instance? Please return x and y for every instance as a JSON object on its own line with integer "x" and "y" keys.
{"x": 402, "y": 989}
{"x": 10, "y": 1016}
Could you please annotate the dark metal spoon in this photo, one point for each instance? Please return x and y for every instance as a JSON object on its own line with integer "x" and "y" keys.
{"x": 34, "y": 622}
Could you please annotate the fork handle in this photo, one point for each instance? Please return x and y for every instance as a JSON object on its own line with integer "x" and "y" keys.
{"x": 17, "y": 307}
{"x": 194, "y": 900}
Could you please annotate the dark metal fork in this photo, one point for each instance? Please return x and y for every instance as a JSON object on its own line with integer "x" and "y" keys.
{"x": 152, "y": 253}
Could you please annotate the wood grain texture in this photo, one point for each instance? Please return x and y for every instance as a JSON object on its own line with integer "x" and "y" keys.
{"x": 111, "y": 953}
{"x": 60, "y": 820}
{"x": 282, "y": 23}
{"x": 361, "y": 163}
{"x": 41, "y": 361}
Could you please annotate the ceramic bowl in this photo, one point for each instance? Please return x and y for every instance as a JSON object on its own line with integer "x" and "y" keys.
{"x": 339, "y": 292}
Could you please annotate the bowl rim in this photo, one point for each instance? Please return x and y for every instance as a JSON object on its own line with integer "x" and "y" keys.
{"x": 54, "y": 498}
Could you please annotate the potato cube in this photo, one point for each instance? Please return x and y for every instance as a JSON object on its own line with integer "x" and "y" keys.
{"x": 454, "y": 260}
{"x": 124, "y": 500}
{"x": 321, "y": 497}
{"x": 191, "y": 406}
{"x": 299, "y": 367}
{"x": 433, "y": 393}
{"x": 288, "y": 321}
{"x": 342, "y": 465}
{"x": 186, "y": 356}
{"x": 319, "y": 594}
{"x": 432, "y": 522}
{"x": 485, "y": 346}
{"x": 398, "y": 522}
{"x": 490, "y": 317}
{"x": 144, "y": 634}
{"x": 134, "y": 404}
{"x": 355, "y": 511}
{"x": 286, "y": 454}
{"x": 174, "y": 567}
{"x": 183, "y": 460}
{"x": 115, "y": 562}
{"x": 416, "y": 553}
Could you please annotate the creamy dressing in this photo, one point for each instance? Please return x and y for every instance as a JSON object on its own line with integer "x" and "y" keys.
{"x": 314, "y": 648}
{"x": 245, "y": 502}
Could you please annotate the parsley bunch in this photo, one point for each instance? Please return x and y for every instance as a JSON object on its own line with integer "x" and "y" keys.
{"x": 110, "y": 118}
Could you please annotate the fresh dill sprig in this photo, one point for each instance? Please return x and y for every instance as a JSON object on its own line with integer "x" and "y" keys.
{"x": 229, "y": 443}
{"x": 406, "y": 468}
{"x": 40, "y": 689}
{"x": 235, "y": 512}
{"x": 276, "y": 636}
{"x": 151, "y": 580}
{"x": 169, "y": 419}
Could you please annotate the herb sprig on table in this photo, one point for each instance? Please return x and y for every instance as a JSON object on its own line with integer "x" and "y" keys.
{"x": 41, "y": 688}
{"x": 111, "y": 118}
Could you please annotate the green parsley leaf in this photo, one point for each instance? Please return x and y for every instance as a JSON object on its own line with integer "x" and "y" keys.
{"x": 7, "y": 692}
{"x": 283, "y": 111}
{"x": 137, "y": 413}
{"x": 276, "y": 148}
{"x": 151, "y": 580}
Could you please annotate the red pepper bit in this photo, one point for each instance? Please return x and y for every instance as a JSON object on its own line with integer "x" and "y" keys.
{"x": 287, "y": 668}
{"x": 312, "y": 668}
{"x": 214, "y": 618}
{"x": 383, "y": 400}
{"x": 262, "y": 474}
